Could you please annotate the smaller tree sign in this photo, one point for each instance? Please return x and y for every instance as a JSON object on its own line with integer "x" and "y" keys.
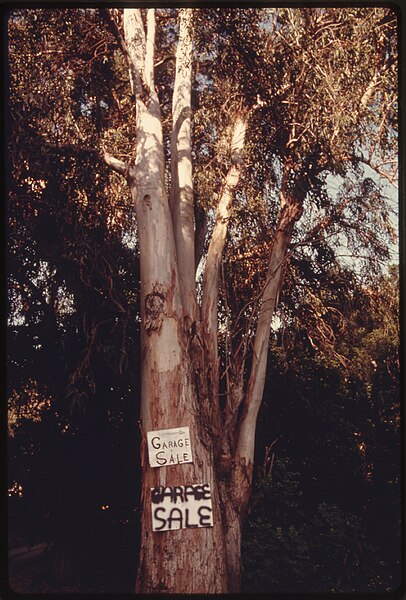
{"x": 181, "y": 507}
{"x": 169, "y": 447}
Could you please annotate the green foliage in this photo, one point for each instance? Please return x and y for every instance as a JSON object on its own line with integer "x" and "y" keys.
{"x": 325, "y": 512}
{"x": 294, "y": 545}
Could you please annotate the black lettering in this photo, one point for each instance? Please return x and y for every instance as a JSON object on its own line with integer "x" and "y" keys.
{"x": 161, "y": 460}
{"x": 168, "y": 492}
{"x": 199, "y": 492}
{"x": 189, "y": 491}
{"x": 186, "y": 441}
{"x": 206, "y": 492}
{"x": 180, "y": 443}
{"x": 157, "y": 518}
{"x": 205, "y": 520}
{"x": 178, "y": 493}
{"x": 155, "y": 444}
{"x": 187, "y": 524}
{"x": 175, "y": 516}
{"x": 157, "y": 495}
{"x": 183, "y": 457}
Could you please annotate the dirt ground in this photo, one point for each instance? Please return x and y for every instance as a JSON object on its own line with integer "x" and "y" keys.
{"x": 32, "y": 572}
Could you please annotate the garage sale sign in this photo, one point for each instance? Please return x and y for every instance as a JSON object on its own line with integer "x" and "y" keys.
{"x": 169, "y": 447}
{"x": 181, "y": 507}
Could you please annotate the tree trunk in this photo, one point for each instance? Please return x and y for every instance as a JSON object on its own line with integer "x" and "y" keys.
{"x": 192, "y": 559}
{"x": 178, "y": 390}
{"x": 180, "y": 374}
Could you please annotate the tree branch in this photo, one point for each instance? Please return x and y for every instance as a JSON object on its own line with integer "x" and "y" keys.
{"x": 114, "y": 29}
{"x": 217, "y": 243}
{"x": 181, "y": 197}
{"x": 291, "y": 212}
{"x": 369, "y": 92}
{"x": 150, "y": 48}
{"x": 134, "y": 36}
{"x": 390, "y": 175}
{"x": 118, "y": 165}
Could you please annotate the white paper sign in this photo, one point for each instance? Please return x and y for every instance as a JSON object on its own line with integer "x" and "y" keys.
{"x": 169, "y": 447}
{"x": 181, "y": 507}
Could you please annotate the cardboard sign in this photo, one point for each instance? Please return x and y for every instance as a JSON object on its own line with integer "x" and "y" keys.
{"x": 181, "y": 507}
{"x": 169, "y": 447}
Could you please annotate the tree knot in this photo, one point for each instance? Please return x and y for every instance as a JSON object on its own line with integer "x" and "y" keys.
{"x": 155, "y": 309}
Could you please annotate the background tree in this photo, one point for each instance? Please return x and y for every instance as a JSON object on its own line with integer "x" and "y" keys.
{"x": 286, "y": 105}
{"x": 318, "y": 486}
{"x": 73, "y": 305}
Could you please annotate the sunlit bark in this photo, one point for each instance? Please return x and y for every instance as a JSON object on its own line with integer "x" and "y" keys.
{"x": 215, "y": 254}
{"x": 269, "y": 299}
{"x": 182, "y": 202}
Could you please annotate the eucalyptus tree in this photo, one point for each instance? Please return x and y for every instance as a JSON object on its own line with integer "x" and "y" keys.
{"x": 230, "y": 128}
